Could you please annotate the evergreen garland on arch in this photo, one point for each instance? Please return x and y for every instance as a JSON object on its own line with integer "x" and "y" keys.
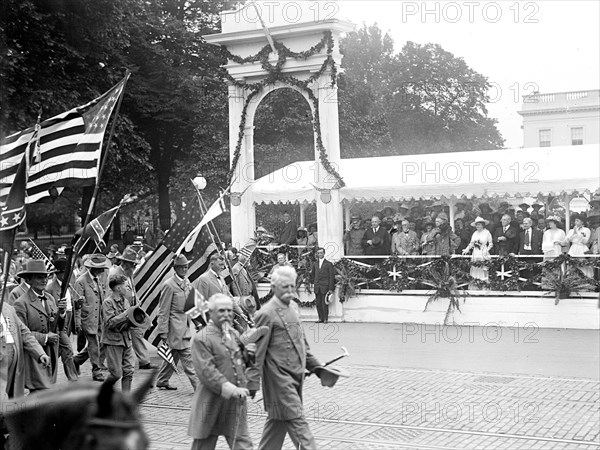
{"x": 275, "y": 74}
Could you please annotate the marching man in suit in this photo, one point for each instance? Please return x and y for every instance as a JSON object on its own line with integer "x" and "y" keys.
{"x": 323, "y": 278}
{"x": 282, "y": 357}
{"x": 211, "y": 282}
{"x": 174, "y": 324}
{"x": 40, "y": 313}
{"x": 92, "y": 288}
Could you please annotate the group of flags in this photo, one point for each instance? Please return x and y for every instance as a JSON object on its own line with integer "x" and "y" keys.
{"x": 66, "y": 150}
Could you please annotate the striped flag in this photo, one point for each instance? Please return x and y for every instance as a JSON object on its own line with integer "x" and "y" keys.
{"x": 164, "y": 351}
{"x": 98, "y": 227}
{"x": 12, "y": 214}
{"x": 216, "y": 209}
{"x": 36, "y": 253}
{"x": 150, "y": 276}
{"x": 69, "y": 146}
{"x": 248, "y": 249}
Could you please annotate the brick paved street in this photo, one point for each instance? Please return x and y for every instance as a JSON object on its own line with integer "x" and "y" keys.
{"x": 390, "y": 406}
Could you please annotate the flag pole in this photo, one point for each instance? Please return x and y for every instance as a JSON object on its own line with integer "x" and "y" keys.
{"x": 210, "y": 223}
{"x": 6, "y": 270}
{"x": 103, "y": 157}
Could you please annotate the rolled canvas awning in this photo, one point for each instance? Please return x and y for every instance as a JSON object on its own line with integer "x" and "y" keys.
{"x": 514, "y": 173}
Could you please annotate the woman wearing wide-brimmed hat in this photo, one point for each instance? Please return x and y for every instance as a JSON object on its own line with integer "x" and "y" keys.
{"x": 552, "y": 239}
{"x": 481, "y": 243}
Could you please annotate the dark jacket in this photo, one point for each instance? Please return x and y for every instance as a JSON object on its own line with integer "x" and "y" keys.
{"x": 511, "y": 244}
{"x": 382, "y": 247}
{"x": 287, "y": 235}
{"x": 323, "y": 278}
{"x": 536, "y": 243}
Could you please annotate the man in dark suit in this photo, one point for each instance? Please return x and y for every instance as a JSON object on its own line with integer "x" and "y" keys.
{"x": 323, "y": 278}
{"x": 376, "y": 240}
{"x": 287, "y": 235}
{"x": 506, "y": 237}
{"x": 530, "y": 239}
{"x": 149, "y": 238}
{"x": 211, "y": 282}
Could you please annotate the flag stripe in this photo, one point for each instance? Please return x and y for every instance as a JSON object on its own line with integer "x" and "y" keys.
{"x": 69, "y": 144}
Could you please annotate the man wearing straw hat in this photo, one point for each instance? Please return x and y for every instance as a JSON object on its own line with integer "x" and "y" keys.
{"x": 43, "y": 316}
{"x": 174, "y": 324}
{"x": 91, "y": 287}
{"x": 129, "y": 260}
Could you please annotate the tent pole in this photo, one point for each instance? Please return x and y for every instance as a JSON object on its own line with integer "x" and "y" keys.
{"x": 451, "y": 203}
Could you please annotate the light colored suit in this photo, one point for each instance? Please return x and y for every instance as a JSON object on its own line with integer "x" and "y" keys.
{"x": 209, "y": 284}
{"x": 17, "y": 292}
{"x": 175, "y": 324}
{"x": 40, "y": 322}
{"x": 14, "y": 384}
{"x": 244, "y": 281}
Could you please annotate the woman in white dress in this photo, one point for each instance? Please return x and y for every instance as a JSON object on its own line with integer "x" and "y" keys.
{"x": 578, "y": 237}
{"x": 481, "y": 244}
{"x": 552, "y": 239}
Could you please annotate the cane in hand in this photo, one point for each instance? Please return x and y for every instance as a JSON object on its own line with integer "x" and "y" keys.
{"x": 331, "y": 361}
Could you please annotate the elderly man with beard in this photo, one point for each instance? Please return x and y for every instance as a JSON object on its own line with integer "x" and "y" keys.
{"x": 219, "y": 405}
{"x": 282, "y": 357}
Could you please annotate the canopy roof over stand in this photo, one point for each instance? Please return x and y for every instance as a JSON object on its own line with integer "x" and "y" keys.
{"x": 514, "y": 173}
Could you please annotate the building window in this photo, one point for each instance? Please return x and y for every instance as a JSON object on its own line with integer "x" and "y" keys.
{"x": 577, "y": 136}
{"x": 545, "y": 138}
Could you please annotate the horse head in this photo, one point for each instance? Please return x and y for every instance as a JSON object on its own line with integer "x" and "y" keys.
{"x": 79, "y": 416}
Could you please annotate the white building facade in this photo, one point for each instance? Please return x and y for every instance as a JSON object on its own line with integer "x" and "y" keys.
{"x": 561, "y": 118}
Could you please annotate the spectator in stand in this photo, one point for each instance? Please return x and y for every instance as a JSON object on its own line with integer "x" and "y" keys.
{"x": 536, "y": 208}
{"x": 460, "y": 210}
{"x": 353, "y": 238}
{"x": 413, "y": 227}
{"x": 428, "y": 239}
{"x": 388, "y": 224}
{"x": 376, "y": 240}
{"x": 464, "y": 233}
{"x": 446, "y": 242}
{"x": 302, "y": 237}
{"x": 128, "y": 236}
{"x": 506, "y": 236}
{"x": 437, "y": 208}
{"x": 481, "y": 243}
{"x": 541, "y": 224}
{"x": 398, "y": 218}
{"x": 160, "y": 234}
{"x": 287, "y": 234}
{"x": 405, "y": 241}
{"x": 313, "y": 238}
{"x": 530, "y": 239}
{"x": 403, "y": 211}
{"x": 366, "y": 224}
{"x": 578, "y": 238}
{"x": 552, "y": 239}
{"x": 594, "y": 242}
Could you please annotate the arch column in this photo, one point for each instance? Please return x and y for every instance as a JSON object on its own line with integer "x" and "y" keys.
{"x": 243, "y": 216}
{"x": 329, "y": 215}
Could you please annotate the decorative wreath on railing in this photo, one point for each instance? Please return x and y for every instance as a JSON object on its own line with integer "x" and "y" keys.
{"x": 275, "y": 74}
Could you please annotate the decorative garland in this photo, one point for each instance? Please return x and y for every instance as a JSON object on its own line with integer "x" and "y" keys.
{"x": 275, "y": 74}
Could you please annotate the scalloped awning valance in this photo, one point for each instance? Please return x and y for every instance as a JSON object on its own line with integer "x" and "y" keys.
{"x": 513, "y": 173}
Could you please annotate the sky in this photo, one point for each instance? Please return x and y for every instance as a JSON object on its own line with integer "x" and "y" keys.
{"x": 548, "y": 46}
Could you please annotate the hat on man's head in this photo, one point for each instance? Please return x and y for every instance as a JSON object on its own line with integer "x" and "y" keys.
{"x": 355, "y": 217}
{"x": 595, "y": 202}
{"x": 52, "y": 248}
{"x": 460, "y": 201}
{"x": 524, "y": 206}
{"x": 181, "y": 260}
{"x": 443, "y": 216}
{"x": 129, "y": 255}
{"x": 404, "y": 206}
{"x": 97, "y": 261}
{"x": 437, "y": 203}
{"x": 34, "y": 267}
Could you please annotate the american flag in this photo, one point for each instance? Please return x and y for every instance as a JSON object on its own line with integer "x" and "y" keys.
{"x": 36, "y": 253}
{"x": 70, "y": 146}
{"x": 158, "y": 267}
{"x": 164, "y": 351}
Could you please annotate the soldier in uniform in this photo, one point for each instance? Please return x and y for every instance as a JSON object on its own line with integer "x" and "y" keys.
{"x": 92, "y": 289}
{"x": 43, "y": 316}
{"x": 353, "y": 238}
